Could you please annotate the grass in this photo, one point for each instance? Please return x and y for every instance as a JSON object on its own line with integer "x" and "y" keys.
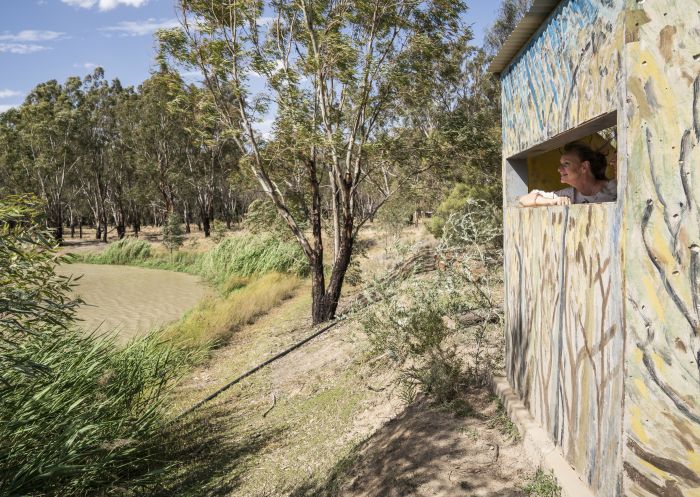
{"x": 90, "y": 424}
{"x": 234, "y": 449}
{"x": 226, "y": 265}
{"x": 542, "y": 484}
{"x": 213, "y": 321}
{"x": 502, "y": 422}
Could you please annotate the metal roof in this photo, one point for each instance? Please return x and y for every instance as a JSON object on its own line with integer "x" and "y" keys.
{"x": 523, "y": 32}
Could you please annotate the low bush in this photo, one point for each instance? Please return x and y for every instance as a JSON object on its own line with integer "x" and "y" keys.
{"x": 251, "y": 255}
{"x": 542, "y": 484}
{"x": 439, "y": 330}
{"x": 90, "y": 422}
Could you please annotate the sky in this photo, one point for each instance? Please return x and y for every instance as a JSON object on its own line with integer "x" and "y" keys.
{"x": 42, "y": 40}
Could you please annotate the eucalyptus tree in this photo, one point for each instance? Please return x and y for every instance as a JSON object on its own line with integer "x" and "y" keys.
{"x": 210, "y": 155}
{"x": 159, "y": 133}
{"x": 49, "y": 144}
{"x": 334, "y": 73}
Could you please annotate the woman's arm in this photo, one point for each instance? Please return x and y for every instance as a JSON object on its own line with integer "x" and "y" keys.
{"x": 536, "y": 199}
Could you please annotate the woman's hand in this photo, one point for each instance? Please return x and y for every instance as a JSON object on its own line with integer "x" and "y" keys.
{"x": 536, "y": 199}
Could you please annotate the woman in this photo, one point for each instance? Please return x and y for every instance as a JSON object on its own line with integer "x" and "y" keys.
{"x": 583, "y": 169}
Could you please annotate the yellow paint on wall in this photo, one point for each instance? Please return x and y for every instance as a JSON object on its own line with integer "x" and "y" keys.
{"x": 638, "y": 356}
{"x": 641, "y": 386}
{"x": 637, "y": 425}
{"x": 694, "y": 462}
{"x": 651, "y": 292}
{"x": 658, "y": 362}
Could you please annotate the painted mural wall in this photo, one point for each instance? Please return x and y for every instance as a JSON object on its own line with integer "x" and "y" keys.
{"x": 570, "y": 73}
{"x": 564, "y": 330}
{"x": 603, "y": 301}
{"x": 564, "y": 333}
{"x": 662, "y": 249}
{"x": 564, "y": 318}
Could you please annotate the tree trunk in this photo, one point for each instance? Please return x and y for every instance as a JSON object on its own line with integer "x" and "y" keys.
{"x": 80, "y": 227}
{"x": 329, "y": 304}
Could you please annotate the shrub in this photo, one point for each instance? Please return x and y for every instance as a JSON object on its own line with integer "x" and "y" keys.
{"x": 32, "y": 297}
{"x": 90, "y": 422}
{"x": 173, "y": 235}
{"x": 422, "y": 324}
{"x": 464, "y": 199}
{"x": 542, "y": 484}
{"x": 125, "y": 251}
{"x": 77, "y": 414}
{"x": 251, "y": 255}
{"x": 218, "y": 230}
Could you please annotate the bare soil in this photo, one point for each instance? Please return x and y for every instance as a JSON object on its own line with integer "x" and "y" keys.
{"x": 326, "y": 421}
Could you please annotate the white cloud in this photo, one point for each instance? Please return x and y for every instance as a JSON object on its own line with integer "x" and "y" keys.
{"x": 30, "y": 35}
{"x": 21, "y": 48}
{"x": 9, "y": 93}
{"x": 86, "y": 65}
{"x": 265, "y": 21}
{"x": 5, "y": 108}
{"x": 192, "y": 75}
{"x": 104, "y": 4}
{"x": 141, "y": 28}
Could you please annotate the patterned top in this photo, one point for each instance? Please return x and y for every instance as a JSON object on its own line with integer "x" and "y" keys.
{"x": 607, "y": 194}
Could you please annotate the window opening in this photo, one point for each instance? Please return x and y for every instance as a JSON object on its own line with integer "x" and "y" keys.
{"x": 537, "y": 168}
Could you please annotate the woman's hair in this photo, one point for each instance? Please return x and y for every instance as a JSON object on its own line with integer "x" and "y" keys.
{"x": 597, "y": 160}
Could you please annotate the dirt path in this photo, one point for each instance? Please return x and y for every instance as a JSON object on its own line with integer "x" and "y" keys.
{"x": 325, "y": 421}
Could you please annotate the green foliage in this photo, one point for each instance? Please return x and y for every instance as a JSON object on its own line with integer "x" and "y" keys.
{"x": 78, "y": 415}
{"x": 465, "y": 200}
{"x": 228, "y": 265}
{"x": 542, "y": 484}
{"x": 262, "y": 217}
{"x": 125, "y": 251}
{"x": 419, "y": 325}
{"x": 411, "y": 330}
{"x": 218, "y": 230}
{"x": 32, "y": 298}
{"x": 91, "y": 421}
{"x": 173, "y": 234}
{"x": 251, "y": 255}
{"x": 502, "y": 422}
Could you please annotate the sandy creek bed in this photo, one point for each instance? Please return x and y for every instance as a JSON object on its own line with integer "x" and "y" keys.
{"x": 132, "y": 300}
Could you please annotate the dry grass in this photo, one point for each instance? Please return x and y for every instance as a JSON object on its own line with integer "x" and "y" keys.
{"x": 212, "y": 322}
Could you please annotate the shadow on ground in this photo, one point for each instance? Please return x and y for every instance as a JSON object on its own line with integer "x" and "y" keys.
{"x": 428, "y": 451}
{"x": 208, "y": 460}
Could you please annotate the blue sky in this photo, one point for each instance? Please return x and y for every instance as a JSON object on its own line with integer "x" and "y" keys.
{"x": 54, "y": 39}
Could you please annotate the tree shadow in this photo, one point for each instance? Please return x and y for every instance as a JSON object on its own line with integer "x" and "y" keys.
{"x": 423, "y": 451}
{"x": 210, "y": 450}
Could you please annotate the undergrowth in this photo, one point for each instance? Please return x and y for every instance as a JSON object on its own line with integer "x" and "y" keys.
{"x": 224, "y": 265}
{"x": 542, "y": 484}
{"x": 213, "y": 321}
{"x": 502, "y": 422}
{"x": 439, "y": 331}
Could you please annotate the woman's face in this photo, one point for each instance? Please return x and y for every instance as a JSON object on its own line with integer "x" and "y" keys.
{"x": 572, "y": 170}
